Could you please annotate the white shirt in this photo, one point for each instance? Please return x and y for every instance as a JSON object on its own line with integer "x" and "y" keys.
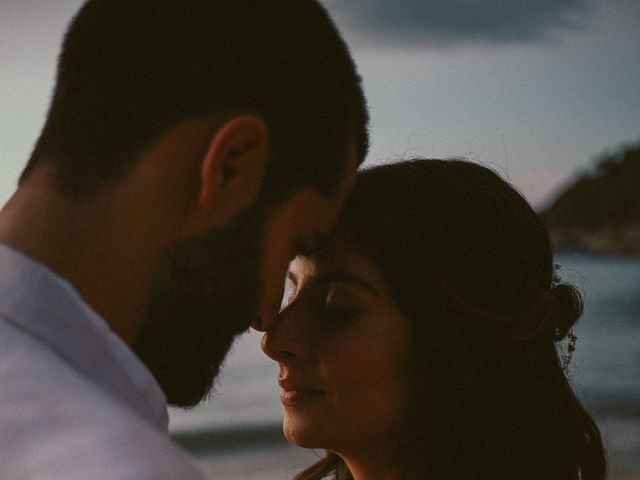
{"x": 75, "y": 401}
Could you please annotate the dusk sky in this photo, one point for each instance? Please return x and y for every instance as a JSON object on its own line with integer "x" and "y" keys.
{"x": 535, "y": 88}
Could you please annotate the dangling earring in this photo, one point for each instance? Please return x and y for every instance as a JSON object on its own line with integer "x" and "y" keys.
{"x": 571, "y": 336}
{"x": 556, "y": 279}
{"x": 571, "y": 347}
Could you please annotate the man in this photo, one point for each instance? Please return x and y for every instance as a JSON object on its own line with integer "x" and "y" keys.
{"x": 191, "y": 149}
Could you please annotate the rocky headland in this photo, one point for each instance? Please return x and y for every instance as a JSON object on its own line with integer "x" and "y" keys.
{"x": 599, "y": 212}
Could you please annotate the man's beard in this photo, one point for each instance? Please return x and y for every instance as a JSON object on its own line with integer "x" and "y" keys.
{"x": 207, "y": 292}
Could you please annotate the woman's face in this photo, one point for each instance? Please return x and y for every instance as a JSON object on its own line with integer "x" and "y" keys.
{"x": 342, "y": 348}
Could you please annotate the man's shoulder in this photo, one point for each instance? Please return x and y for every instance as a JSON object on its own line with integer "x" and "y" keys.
{"x": 57, "y": 424}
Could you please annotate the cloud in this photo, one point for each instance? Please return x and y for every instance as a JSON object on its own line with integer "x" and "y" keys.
{"x": 441, "y": 23}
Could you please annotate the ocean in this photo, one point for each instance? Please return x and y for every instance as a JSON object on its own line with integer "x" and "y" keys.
{"x": 237, "y": 434}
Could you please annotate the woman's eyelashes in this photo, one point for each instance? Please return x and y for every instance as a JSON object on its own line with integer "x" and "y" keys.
{"x": 336, "y": 306}
{"x": 336, "y": 314}
{"x": 327, "y": 306}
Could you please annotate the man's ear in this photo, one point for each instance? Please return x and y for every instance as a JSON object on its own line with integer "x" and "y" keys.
{"x": 233, "y": 168}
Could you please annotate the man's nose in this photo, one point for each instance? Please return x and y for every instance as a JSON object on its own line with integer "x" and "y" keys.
{"x": 263, "y": 320}
{"x": 272, "y": 296}
{"x": 268, "y": 310}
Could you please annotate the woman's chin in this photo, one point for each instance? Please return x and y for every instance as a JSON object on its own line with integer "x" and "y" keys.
{"x": 302, "y": 433}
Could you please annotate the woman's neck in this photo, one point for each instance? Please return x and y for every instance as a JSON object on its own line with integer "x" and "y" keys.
{"x": 369, "y": 467}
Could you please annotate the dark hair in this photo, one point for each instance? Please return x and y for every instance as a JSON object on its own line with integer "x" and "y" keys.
{"x": 470, "y": 265}
{"x": 132, "y": 69}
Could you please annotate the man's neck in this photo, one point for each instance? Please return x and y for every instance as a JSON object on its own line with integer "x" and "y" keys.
{"x": 88, "y": 242}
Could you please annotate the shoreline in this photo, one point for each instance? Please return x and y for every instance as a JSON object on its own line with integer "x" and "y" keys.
{"x": 220, "y": 440}
{"x": 623, "y": 243}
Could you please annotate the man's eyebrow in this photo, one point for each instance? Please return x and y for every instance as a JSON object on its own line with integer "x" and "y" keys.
{"x": 345, "y": 277}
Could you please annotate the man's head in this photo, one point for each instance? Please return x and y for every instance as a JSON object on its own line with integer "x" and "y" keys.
{"x": 132, "y": 69}
{"x": 256, "y": 108}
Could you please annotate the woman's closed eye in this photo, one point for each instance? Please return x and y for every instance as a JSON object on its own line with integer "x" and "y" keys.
{"x": 338, "y": 314}
{"x": 337, "y": 307}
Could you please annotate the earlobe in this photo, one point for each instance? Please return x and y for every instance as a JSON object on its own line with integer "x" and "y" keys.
{"x": 233, "y": 167}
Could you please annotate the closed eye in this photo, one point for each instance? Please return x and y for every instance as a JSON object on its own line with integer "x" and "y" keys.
{"x": 336, "y": 314}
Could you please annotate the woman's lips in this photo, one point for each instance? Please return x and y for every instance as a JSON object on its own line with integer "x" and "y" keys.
{"x": 290, "y": 398}
{"x": 292, "y": 394}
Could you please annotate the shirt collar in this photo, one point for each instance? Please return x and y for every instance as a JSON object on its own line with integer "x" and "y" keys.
{"x": 41, "y": 303}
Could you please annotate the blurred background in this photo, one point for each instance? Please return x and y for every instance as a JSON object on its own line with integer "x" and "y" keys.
{"x": 547, "y": 92}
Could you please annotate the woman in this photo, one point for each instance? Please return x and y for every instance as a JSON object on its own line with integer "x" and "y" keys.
{"x": 420, "y": 343}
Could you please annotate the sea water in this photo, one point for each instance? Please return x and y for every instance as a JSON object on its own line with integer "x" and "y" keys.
{"x": 237, "y": 434}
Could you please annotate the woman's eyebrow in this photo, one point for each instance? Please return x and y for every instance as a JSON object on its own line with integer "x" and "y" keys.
{"x": 345, "y": 277}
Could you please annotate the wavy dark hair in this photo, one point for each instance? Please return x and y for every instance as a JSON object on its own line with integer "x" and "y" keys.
{"x": 470, "y": 265}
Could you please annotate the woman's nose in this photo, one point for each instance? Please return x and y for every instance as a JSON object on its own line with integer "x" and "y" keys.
{"x": 284, "y": 340}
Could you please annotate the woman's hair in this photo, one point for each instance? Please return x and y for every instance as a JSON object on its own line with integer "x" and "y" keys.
{"x": 470, "y": 265}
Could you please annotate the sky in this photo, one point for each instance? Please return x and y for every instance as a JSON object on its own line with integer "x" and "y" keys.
{"x": 536, "y": 89}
